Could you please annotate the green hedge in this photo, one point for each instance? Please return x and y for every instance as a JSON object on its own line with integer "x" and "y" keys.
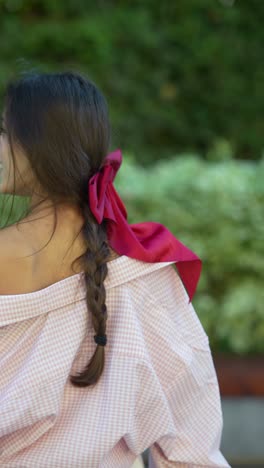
{"x": 216, "y": 209}
{"x": 179, "y": 76}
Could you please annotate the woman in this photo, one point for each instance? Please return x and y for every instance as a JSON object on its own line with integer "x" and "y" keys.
{"x": 73, "y": 268}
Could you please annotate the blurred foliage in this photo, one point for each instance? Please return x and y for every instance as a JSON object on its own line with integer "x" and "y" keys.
{"x": 216, "y": 209}
{"x": 178, "y": 75}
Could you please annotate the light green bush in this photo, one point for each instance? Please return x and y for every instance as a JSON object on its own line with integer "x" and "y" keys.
{"x": 215, "y": 209}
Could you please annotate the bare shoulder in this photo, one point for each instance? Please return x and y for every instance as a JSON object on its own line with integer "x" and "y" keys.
{"x": 23, "y": 270}
{"x": 15, "y": 266}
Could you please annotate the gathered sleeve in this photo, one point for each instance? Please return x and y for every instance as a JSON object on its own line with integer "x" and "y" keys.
{"x": 178, "y": 413}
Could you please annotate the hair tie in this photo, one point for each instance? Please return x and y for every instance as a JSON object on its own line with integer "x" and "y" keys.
{"x": 148, "y": 241}
{"x": 100, "y": 339}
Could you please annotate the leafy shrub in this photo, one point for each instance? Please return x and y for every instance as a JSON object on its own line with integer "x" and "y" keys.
{"x": 216, "y": 209}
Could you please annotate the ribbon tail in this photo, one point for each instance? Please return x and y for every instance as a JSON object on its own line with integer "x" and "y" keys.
{"x": 160, "y": 245}
{"x": 152, "y": 242}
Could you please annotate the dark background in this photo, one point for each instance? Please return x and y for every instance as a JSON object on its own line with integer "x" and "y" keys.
{"x": 178, "y": 75}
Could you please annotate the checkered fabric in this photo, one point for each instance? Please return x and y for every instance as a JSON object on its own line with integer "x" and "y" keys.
{"x": 158, "y": 390}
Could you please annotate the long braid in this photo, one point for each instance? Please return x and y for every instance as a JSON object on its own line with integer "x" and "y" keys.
{"x": 94, "y": 262}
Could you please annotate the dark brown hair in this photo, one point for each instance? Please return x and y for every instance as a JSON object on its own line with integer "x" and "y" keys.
{"x": 60, "y": 120}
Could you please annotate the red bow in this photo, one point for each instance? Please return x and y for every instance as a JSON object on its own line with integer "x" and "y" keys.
{"x": 148, "y": 241}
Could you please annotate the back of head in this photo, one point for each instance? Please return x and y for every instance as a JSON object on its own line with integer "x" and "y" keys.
{"x": 60, "y": 122}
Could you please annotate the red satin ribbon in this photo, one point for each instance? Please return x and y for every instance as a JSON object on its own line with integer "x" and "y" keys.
{"x": 149, "y": 241}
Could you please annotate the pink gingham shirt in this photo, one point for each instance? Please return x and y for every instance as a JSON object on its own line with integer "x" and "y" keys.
{"x": 158, "y": 390}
